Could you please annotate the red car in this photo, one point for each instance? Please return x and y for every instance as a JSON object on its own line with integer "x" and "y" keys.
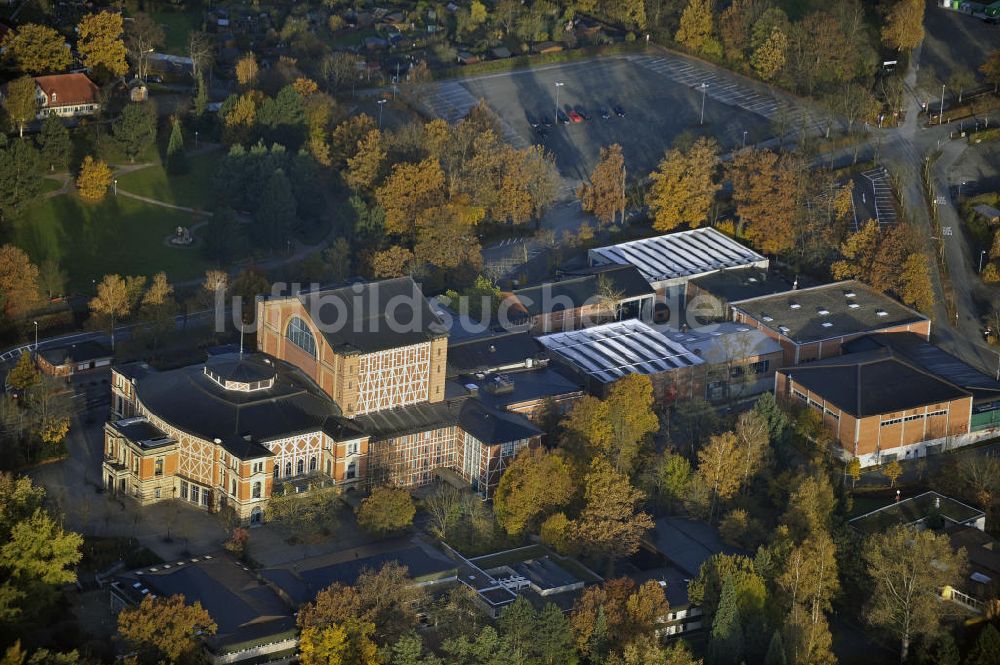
{"x": 575, "y": 117}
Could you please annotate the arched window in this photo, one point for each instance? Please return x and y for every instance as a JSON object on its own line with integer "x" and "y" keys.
{"x": 255, "y": 516}
{"x": 298, "y": 333}
{"x": 288, "y": 469}
{"x": 300, "y": 467}
{"x": 352, "y": 470}
{"x": 234, "y": 487}
{"x": 256, "y": 490}
{"x": 276, "y": 467}
{"x": 312, "y": 463}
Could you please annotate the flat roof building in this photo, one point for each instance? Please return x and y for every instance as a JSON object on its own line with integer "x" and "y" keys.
{"x": 603, "y": 354}
{"x": 814, "y": 323}
{"x": 253, "y": 623}
{"x": 601, "y": 294}
{"x": 68, "y": 359}
{"x": 880, "y": 407}
{"x": 739, "y": 361}
{"x": 670, "y": 261}
{"x": 735, "y": 284}
{"x": 918, "y": 511}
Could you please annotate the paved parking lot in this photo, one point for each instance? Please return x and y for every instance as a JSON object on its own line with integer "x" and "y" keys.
{"x": 875, "y": 185}
{"x": 952, "y": 40}
{"x": 660, "y": 94}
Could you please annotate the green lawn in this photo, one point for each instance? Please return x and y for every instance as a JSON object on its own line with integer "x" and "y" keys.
{"x": 118, "y": 235}
{"x": 177, "y": 27}
{"x": 49, "y": 185}
{"x": 193, "y": 189}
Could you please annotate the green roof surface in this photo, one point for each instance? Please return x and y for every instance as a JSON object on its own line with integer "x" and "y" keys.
{"x": 915, "y": 510}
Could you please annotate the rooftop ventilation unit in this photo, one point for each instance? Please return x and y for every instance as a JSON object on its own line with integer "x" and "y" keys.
{"x": 849, "y": 294}
{"x": 783, "y": 330}
{"x": 822, "y": 311}
{"x": 767, "y": 318}
{"x": 854, "y": 305}
{"x": 795, "y": 305}
{"x": 882, "y": 312}
{"x": 827, "y": 324}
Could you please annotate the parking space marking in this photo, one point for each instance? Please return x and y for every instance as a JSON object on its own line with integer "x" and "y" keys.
{"x": 723, "y": 89}
{"x": 882, "y": 196}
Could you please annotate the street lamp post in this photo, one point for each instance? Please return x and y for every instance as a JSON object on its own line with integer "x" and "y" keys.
{"x": 704, "y": 91}
{"x": 982, "y": 253}
{"x": 114, "y": 183}
{"x": 941, "y": 112}
{"x": 196, "y": 139}
{"x": 381, "y": 105}
{"x": 744, "y": 139}
{"x": 559, "y": 84}
{"x": 36, "y": 335}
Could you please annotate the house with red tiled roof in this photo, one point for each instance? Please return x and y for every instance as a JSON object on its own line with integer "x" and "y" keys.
{"x": 66, "y": 95}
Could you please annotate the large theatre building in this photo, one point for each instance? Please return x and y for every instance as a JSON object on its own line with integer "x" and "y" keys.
{"x": 347, "y": 387}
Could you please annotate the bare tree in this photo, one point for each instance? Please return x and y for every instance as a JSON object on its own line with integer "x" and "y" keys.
{"x": 142, "y": 36}
{"x": 201, "y": 51}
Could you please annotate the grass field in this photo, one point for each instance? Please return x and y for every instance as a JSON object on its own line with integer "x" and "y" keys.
{"x": 49, "y": 185}
{"x": 177, "y": 27}
{"x": 118, "y": 235}
{"x": 193, "y": 189}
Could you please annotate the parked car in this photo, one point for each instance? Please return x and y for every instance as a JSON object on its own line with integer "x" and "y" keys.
{"x": 583, "y": 113}
{"x": 575, "y": 117}
{"x": 532, "y": 121}
{"x": 619, "y": 111}
{"x": 546, "y": 121}
{"x": 562, "y": 117}
{"x": 605, "y": 113}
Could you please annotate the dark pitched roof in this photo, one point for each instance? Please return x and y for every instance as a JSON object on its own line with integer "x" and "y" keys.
{"x": 409, "y": 419}
{"x": 737, "y": 284}
{"x": 687, "y": 543}
{"x": 492, "y": 353}
{"x": 240, "y": 368}
{"x": 242, "y": 608}
{"x": 490, "y": 426}
{"x": 517, "y": 387}
{"x": 872, "y": 383}
{"x": 77, "y": 353}
{"x": 918, "y": 351}
{"x": 373, "y": 316}
{"x": 581, "y": 289}
{"x": 142, "y": 432}
{"x": 850, "y": 308}
{"x": 303, "y": 580}
{"x": 191, "y": 401}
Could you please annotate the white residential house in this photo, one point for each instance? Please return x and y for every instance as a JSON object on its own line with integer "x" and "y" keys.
{"x": 66, "y": 95}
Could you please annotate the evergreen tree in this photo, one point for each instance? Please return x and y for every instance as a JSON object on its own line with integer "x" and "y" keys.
{"x": 276, "y": 214}
{"x": 726, "y": 644}
{"x": 304, "y": 174}
{"x": 553, "y": 637}
{"x": 776, "y": 650}
{"x": 135, "y": 129}
{"x": 223, "y": 238}
{"x": 19, "y": 181}
{"x": 54, "y": 144}
{"x": 601, "y": 638}
{"x": 176, "y": 155}
{"x": 201, "y": 97}
{"x": 986, "y": 650}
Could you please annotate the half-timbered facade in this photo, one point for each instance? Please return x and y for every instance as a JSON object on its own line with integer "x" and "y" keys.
{"x": 237, "y": 426}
